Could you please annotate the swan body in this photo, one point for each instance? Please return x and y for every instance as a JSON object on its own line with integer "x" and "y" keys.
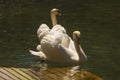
{"x": 53, "y": 46}
{"x": 54, "y": 49}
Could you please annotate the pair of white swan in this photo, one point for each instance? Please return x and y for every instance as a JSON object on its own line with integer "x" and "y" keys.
{"x": 57, "y": 46}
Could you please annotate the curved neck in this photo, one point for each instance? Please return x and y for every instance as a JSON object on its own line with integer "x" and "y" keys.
{"x": 76, "y": 44}
{"x": 53, "y": 18}
{"x": 79, "y": 50}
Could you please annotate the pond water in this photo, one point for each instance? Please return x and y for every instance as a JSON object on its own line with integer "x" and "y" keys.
{"x": 98, "y": 22}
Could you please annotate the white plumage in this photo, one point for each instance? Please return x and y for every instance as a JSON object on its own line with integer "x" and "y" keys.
{"x": 57, "y": 46}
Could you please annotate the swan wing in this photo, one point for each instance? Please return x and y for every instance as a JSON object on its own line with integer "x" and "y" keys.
{"x": 60, "y": 35}
{"x": 71, "y": 45}
{"x": 58, "y": 28}
{"x": 40, "y": 54}
{"x": 68, "y": 53}
{"x": 42, "y": 31}
{"x": 65, "y": 40}
{"x": 39, "y": 47}
{"x": 56, "y": 36}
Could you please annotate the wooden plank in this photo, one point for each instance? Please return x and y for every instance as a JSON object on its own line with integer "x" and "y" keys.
{"x": 19, "y": 71}
{"x": 1, "y": 78}
{"x": 15, "y": 74}
{"x": 4, "y": 76}
{"x": 49, "y": 74}
{"x": 9, "y": 74}
{"x": 29, "y": 71}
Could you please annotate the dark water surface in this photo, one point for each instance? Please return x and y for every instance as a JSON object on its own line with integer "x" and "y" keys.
{"x": 98, "y": 22}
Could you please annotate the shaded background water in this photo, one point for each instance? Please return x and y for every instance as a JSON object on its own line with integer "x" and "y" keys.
{"x": 97, "y": 20}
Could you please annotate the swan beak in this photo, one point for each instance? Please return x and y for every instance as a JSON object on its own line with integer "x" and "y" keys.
{"x": 59, "y": 13}
{"x": 78, "y": 39}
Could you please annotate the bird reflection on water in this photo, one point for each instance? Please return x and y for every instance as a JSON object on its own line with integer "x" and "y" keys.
{"x": 43, "y": 71}
{"x": 70, "y": 73}
{"x": 39, "y": 67}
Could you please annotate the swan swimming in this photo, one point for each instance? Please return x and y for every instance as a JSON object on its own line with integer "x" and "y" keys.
{"x": 57, "y": 46}
{"x": 43, "y": 29}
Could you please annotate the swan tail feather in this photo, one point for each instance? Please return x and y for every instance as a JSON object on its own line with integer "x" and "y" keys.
{"x": 40, "y": 54}
{"x": 34, "y": 52}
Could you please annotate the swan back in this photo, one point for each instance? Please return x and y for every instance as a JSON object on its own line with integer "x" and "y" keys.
{"x": 58, "y": 29}
{"x": 54, "y": 37}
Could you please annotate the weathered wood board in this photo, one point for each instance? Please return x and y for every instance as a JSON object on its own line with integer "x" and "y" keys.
{"x": 64, "y": 73}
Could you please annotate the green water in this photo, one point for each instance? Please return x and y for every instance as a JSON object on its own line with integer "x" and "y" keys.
{"x": 98, "y": 22}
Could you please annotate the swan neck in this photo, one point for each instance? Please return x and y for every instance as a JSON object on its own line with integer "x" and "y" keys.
{"x": 79, "y": 50}
{"x": 53, "y": 18}
{"x": 77, "y": 46}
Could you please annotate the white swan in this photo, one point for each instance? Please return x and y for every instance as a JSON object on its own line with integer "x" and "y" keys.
{"x": 43, "y": 29}
{"x": 57, "y": 46}
{"x": 56, "y": 51}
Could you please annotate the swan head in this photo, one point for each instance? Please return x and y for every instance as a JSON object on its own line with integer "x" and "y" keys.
{"x": 55, "y": 11}
{"x": 76, "y": 36}
{"x": 53, "y": 14}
